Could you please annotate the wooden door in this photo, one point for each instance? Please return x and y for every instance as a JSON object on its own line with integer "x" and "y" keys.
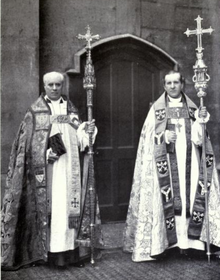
{"x": 127, "y": 81}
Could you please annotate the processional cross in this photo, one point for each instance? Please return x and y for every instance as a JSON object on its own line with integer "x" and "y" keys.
{"x": 201, "y": 79}
{"x": 89, "y": 83}
{"x": 88, "y": 37}
{"x": 199, "y": 32}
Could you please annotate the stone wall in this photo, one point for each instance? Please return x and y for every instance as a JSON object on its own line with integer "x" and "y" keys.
{"x": 19, "y": 68}
{"x": 54, "y": 24}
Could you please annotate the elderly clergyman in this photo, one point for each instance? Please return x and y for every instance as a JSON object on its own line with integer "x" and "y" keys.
{"x": 42, "y": 202}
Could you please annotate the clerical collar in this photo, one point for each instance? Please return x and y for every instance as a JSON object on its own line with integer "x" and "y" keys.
{"x": 175, "y": 100}
{"x": 48, "y": 100}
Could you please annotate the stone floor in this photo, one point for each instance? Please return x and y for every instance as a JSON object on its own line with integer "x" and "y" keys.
{"x": 113, "y": 235}
{"x": 113, "y": 264}
{"x": 116, "y": 265}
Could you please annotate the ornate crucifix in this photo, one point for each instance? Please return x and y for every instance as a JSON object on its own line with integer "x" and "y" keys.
{"x": 89, "y": 81}
{"x": 88, "y": 37}
{"x": 89, "y": 84}
{"x": 201, "y": 79}
{"x": 199, "y": 32}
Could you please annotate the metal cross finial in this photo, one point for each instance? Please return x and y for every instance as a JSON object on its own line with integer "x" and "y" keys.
{"x": 199, "y": 32}
{"x": 88, "y": 37}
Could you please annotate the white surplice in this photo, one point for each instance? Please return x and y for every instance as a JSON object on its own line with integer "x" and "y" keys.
{"x": 62, "y": 238}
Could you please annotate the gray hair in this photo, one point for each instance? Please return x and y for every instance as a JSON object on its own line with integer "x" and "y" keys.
{"x": 47, "y": 75}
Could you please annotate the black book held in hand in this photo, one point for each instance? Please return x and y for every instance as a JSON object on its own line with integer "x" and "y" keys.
{"x": 55, "y": 142}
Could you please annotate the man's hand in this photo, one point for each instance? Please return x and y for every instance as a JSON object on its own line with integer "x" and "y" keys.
{"x": 203, "y": 112}
{"x": 90, "y": 127}
{"x": 171, "y": 136}
{"x": 52, "y": 157}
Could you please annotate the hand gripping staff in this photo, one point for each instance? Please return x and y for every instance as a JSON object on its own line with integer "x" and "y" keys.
{"x": 89, "y": 84}
{"x": 201, "y": 79}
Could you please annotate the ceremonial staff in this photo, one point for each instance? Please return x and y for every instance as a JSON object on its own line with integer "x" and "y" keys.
{"x": 201, "y": 79}
{"x": 89, "y": 84}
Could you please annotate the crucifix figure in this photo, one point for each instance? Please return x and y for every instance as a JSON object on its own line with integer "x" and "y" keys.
{"x": 199, "y": 32}
{"x": 88, "y": 37}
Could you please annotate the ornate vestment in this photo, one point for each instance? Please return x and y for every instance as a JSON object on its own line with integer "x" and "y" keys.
{"x": 29, "y": 224}
{"x": 167, "y": 203}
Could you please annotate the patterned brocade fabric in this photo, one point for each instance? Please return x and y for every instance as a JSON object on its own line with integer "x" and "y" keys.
{"x": 143, "y": 221}
{"x": 19, "y": 218}
{"x": 25, "y": 219}
{"x": 145, "y": 231}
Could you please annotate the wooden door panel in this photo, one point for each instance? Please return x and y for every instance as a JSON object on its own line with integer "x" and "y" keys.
{"x": 104, "y": 179}
{"x": 103, "y": 107}
{"x": 123, "y": 86}
{"x": 124, "y": 90}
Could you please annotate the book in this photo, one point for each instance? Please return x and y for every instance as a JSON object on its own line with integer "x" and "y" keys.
{"x": 55, "y": 142}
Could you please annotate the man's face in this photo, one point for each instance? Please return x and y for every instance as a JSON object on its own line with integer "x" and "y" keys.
{"x": 53, "y": 87}
{"x": 173, "y": 85}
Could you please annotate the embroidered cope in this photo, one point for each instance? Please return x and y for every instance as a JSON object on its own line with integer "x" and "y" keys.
{"x": 152, "y": 226}
{"x": 44, "y": 203}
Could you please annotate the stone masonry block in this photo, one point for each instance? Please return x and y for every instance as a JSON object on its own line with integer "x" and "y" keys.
{"x": 128, "y": 17}
{"x": 184, "y": 16}
{"x": 161, "y": 38}
{"x": 157, "y": 15}
{"x": 18, "y": 18}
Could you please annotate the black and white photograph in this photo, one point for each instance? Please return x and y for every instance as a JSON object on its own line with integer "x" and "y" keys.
{"x": 110, "y": 139}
